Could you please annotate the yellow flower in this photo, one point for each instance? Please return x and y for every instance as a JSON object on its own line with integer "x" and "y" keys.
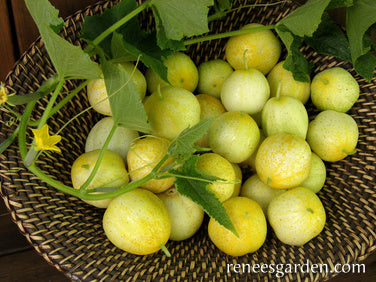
{"x": 3, "y": 94}
{"x": 43, "y": 141}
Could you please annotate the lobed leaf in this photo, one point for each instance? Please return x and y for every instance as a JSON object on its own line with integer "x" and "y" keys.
{"x": 295, "y": 61}
{"x": 70, "y": 61}
{"x": 181, "y": 18}
{"x": 162, "y": 40}
{"x": 329, "y": 39}
{"x": 125, "y": 101}
{"x": 222, "y": 5}
{"x": 145, "y": 46}
{"x": 129, "y": 42}
{"x": 299, "y": 24}
{"x": 305, "y": 19}
{"x": 44, "y": 14}
{"x": 93, "y": 26}
{"x": 119, "y": 53}
{"x": 194, "y": 187}
{"x": 184, "y": 145}
{"x": 360, "y": 18}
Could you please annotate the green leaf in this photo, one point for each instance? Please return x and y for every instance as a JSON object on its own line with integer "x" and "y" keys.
{"x": 165, "y": 43}
{"x": 162, "y": 40}
{"x": 70, "y": 61}
{"x": 145, "y": 44}
{"x": 330, "y": 40}
{"x": 221, "y": 8}
{"x": 93, "y": 26}
{"x": 190, "y": 185}
{"x": 119, "y": 53}
{"x": 125, "y": 101}
{"x": 181, "y": 17}
{"x": 360, "y": 17}
{"x": 365, "y": 65}
{"x": 302, "y": 22}
{"x": 47, "y": 87}
{"x": 44, "y": 14}
{"x": 222, "y": 5}
{"x": 295, "y": 61}
{"x": 340, "y": 3}
{"x": 183, "y": 146}
{"x": 129, "y": 41}
{"x": 305, "y": 19}
{"x": 369, "y": 37}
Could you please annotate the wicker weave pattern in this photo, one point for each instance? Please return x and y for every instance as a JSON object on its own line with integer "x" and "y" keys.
{"x": 69, "y": 235}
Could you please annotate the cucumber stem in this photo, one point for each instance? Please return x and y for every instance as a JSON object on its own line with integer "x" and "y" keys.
{"x": 160, "y": 96}
{"x": 277, "y": 95}
{"x": 268, "y": 181}
{"x": 165, "y": 250}
{"x": 349, "y": 153}
{"x": 245, "y": 59}
{"x": 326, "y": 82}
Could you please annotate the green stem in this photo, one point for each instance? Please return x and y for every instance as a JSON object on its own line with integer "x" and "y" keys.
{"x": 159, "y": 165}
{"x": 50, "y": 104}
{"x": 100, "y": 157}
{"x": 100, "y": 101}
{"x": 326, "y": 82}
{"x": 84, "y": 195}
{"x": 4, "y": 145}
{"x": 31, "y": 155}
{"x": 123, "y": 189}
{"x": 227, "y": 34}
{"x": 186, "y": 177}
{"x": 218, "y": 15}
{"x": 59, "y": 186}
{"x": 245, "y": 59}
{"x": 165, "y": 250}
{"x": 349, "y": 152}
{"x": 62, "y": 102}
{"x": 23, "y": 151}
{"x": 160, "y": 96}
{"x": 268, "y": 181}
{"x": 128, "y": 187}
{"x": 118, "y": 24}
{"x": 277, "y": 96}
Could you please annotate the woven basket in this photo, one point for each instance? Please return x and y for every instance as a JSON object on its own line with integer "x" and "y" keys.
{"x": 68, "y": 233}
